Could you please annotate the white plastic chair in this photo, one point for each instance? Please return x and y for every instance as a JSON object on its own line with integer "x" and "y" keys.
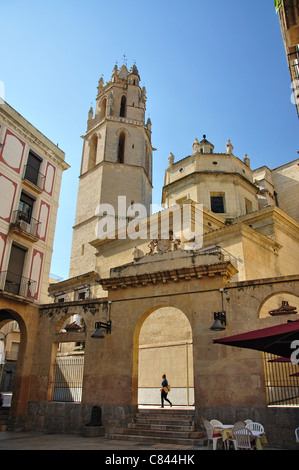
{"x": 237, "y": 427}
{"x": 247, "y": 421}
{"x": 240, "y": 423}
{"x": 255, "y": 427}
{"x": 244, "y": 439}
{"x": 297, "y": 435}
{"x": 214, "y": 422}
{"x": 211, "y": 434}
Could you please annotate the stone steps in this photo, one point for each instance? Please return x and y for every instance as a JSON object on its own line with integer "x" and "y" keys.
{"x": 4, "y": 414}
{"x": 162, "y": 426}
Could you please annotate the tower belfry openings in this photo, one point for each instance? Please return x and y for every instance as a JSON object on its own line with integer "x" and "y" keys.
{"x": 116, "y": 157}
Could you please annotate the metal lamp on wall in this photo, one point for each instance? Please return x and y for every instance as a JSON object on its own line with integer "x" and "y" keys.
{"x": 99, "y": 326}
{"x": 219, "y": 317}
{"x": 220, "y": 321}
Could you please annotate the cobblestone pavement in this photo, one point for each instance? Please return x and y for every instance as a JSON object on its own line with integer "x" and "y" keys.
{"x": 40, "y": 441}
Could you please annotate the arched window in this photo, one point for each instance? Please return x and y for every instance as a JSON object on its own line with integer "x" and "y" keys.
{"x": 103, "y": 109}
{"x": 123, "y": 107}
{"x": 93, "y": 152}
{"x": 121, "y": 148}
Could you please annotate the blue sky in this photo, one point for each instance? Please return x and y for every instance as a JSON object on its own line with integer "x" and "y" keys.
{"x": 216, "y": 68}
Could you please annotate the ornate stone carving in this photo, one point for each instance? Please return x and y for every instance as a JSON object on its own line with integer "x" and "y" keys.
{"x": 171, "y": 159}
{"x": 137, "y": 253}
{"x": 196, "y": 146}
{"x": 163, "y": 245}
{"x": 229, "y": 147}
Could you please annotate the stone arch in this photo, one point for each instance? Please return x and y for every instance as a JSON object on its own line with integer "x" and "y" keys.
{"x": 274, "y": 301}
{"x": 7, "y": 315}
{"x": 93, "y": 147}
{"x": 122, "y": 135}
{"x": 163, "y": 343}
{"x": 103, "y": 108}
{"x": 15, "y": 369}
{"x": 121, "y": 148}
{"x": 123, "y": 106}
{"x": 67, "y": 318}
{"x": 122, "y": 130}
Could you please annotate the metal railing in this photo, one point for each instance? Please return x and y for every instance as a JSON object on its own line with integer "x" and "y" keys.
{"x": 68, "y": 379}
{"x": 25, "y": 222}
{"x": 34, "y": 176}
{"x": 222, "y": 254}
{"x": 16, "y": 284}
{"x": 282, "y": 387}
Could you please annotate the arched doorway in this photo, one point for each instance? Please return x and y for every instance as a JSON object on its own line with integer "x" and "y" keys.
{"x": 165, "y": 346}
{"x": 68, "y": 366}
{"x": 11, "y": 340}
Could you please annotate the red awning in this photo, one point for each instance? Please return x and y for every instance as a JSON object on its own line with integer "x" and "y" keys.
{"x": 280, "y": 359}
{"x": 275, "y": 339}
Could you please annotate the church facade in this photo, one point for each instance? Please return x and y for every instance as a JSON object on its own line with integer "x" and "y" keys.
{"x": 144, "y": 295}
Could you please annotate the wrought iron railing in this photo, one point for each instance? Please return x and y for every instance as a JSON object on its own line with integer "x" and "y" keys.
{"x": 34, "y": 176}
{"x": 281, "y": 381}
{"x": 25, "y": 222}
{"x": 68, "y": 379}
{"x": 16, "y": 284}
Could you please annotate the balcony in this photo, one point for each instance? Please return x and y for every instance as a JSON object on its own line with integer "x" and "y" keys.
{"x": 33, "y": 178}
{"x": 17, "y": 285}
{"x": 24, "y": 225}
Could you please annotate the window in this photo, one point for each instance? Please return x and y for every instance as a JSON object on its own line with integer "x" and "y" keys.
{"x": 13, "y": 281}
{"x": 123, "y": 107}
{"x": 248, "y": 206}
{"x": 103, "y": 108}
{"x": 217, "y": 203}
{"x": 82, "y": 293}
{"x": 60, "y": 298}
{"x": 93, "y": 152}
{"x": 121, "y": 148}
{"x": 25, "y": 207}
{"x": 32, "y": 168}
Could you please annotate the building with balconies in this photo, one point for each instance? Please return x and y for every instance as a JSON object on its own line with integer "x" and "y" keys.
{"x": 31, "y": 168}
{"x": 288, "y": 12}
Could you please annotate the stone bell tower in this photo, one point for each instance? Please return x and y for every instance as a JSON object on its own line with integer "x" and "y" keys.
{"x": 116, "y": 160}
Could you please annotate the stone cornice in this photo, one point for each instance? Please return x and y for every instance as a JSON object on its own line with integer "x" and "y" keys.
{"x": 225, "y": 269}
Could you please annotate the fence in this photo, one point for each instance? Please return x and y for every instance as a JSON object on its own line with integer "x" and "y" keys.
{"x": 282, "y": 387}
{"x": 68, "y": 379}
{"x": 16, "y": 284}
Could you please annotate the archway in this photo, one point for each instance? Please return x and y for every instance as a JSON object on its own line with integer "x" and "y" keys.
{"x": 12, "y": 340}
{"x": 165, "y": 346}
{"x": 274, "y": 301}
{"x": 68, "y": 356}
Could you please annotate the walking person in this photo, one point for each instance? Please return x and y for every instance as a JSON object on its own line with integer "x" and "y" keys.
{"x": 164, "y": 392}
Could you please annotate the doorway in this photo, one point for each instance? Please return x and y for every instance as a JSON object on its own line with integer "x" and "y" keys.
{"x": 166, "y": 347}
{"x": 10, "y": 341}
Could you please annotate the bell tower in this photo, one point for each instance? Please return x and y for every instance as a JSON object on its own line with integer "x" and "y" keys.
{"x": 116, "y": 159}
